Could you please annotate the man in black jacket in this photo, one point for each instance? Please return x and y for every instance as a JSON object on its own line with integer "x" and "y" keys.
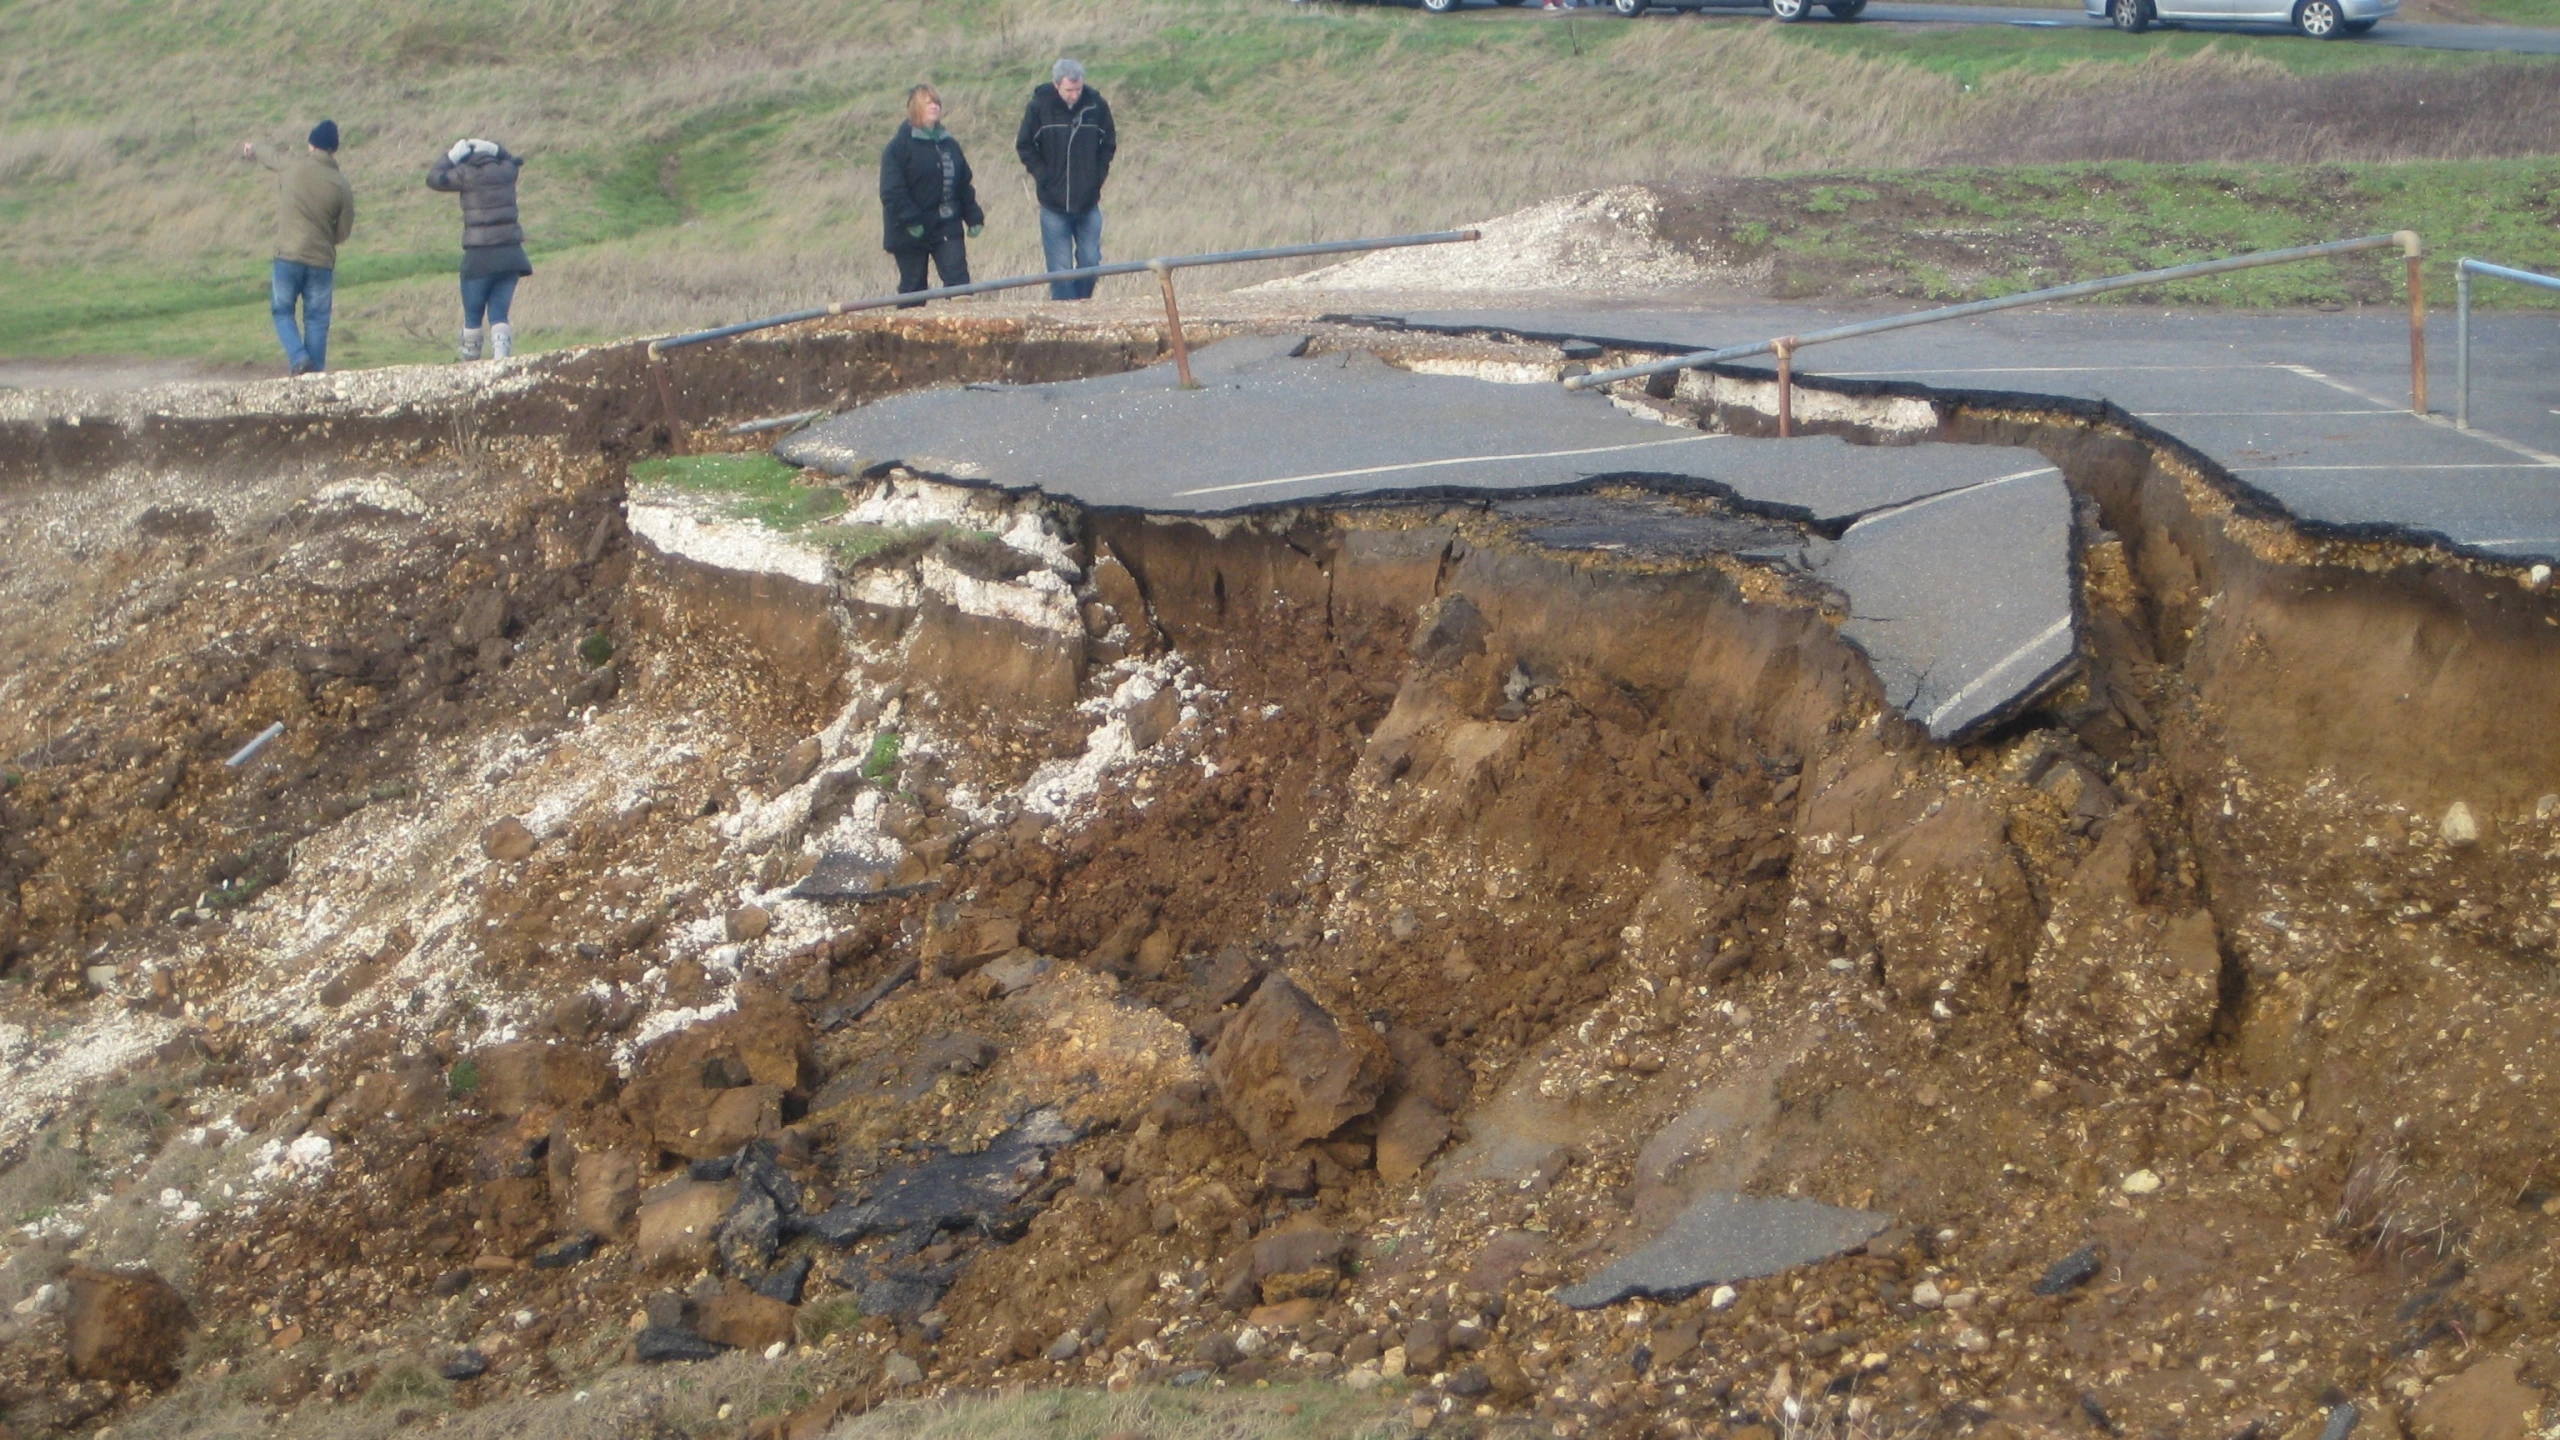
{"x": 1067, "y": 142}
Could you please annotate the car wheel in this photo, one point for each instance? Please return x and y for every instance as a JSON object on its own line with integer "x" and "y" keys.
{"x": 1789, "y": 11}
{"x": 2319, "y": 19}
{"x": 1631, "y": 8}
{"x": 1439, "y": 7}
{"x": 1846, "y": 9}
{"x": 2132, "y": 16}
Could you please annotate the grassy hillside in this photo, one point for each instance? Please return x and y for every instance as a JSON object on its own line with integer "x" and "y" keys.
{"x": 699, "y": 162}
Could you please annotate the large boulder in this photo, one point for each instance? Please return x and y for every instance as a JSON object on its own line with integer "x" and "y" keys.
{"x": 606, "y": 1189}
{"x": 742, "y": 1319}
{"x": 524, "y": 1076}
{"x": 2122, "y": 989}
{"x": 2485, "y": 1402}
{"x": 1949, "y": 909}
{"x": 1288, "y": 1073}
{"x": 680, "y": 1221}
{"x": 1430, "y": 1087}
{"x": 679, "y": 1096}
{"x": 125, "y": 1326}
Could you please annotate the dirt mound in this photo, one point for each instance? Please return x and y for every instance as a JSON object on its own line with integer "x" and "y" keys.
{"x": 1600, "y": 242}
{"x": 689, "y": 977}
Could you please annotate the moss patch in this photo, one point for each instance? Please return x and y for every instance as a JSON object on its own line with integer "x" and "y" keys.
{"x": 753, "y": 486}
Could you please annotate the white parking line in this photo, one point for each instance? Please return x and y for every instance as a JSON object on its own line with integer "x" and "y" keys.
{"x": 1875, "y": 517}
{"x": 1434, "y": 464}
{"x": 2499, "y": 441}
{"x": 2007, "y": 663}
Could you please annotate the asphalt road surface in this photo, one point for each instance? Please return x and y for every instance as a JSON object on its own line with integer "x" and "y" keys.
{"x": 1955, "y": 558}
{"x": 2311, "y": 410}
{"x": 2417, "y": 35}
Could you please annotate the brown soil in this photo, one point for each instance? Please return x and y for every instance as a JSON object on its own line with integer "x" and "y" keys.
{"x": 1613, "y": 870}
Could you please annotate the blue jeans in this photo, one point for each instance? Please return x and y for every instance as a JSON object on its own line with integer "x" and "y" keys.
{"x": 306, "y": 346}
{"x": 1071, "y": 242}
{"x": 489, "y": 295}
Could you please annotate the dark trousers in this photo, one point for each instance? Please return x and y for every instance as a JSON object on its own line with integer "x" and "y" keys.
{"x": 950, "y": 255}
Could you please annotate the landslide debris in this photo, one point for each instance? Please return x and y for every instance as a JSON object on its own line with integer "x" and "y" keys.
{"x": 659, "y": 966}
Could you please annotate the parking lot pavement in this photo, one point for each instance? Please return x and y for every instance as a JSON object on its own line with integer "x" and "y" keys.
{"x": 1955, "y": 558}
{"x": 2308, "y": 409}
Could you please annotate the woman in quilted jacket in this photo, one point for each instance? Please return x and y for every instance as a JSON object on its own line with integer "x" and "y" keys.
{"x": 493, "y": 258}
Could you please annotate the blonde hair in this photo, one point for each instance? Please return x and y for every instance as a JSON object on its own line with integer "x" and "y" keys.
{"x": 915, "y": 102}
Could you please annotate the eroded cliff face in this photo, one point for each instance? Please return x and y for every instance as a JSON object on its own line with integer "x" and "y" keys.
{"x": 976, "y": 942}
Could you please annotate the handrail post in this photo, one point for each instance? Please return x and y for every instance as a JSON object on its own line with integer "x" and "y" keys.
{"x": 1785, "y": 350}
{"x": 1173, "y": 324}
{"x": 2417, "y": 340}
{"x": 2462, "y": 343}
{"x": 657, "y": 363}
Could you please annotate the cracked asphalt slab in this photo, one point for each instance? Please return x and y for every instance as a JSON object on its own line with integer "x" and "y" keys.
{"x": 1955, "y": 558}
{"x": 2308, "y": 410}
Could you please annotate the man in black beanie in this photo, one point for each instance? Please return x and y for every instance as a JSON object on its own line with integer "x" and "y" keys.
{"x": 315, "y": 213}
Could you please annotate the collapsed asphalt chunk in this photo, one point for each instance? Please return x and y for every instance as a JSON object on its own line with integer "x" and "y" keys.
{"x": 1723, "y": 1237}
{"x": 948, "y": 1191}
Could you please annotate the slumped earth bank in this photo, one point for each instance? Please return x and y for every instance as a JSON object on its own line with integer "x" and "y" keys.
{"x": 888, "y": 937}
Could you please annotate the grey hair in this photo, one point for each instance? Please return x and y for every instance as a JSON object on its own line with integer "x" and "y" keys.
{"x": 1066, "y": 70}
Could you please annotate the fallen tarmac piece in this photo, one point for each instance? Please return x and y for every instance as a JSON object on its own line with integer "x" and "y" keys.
{"x": 1955, "y": 558}
{"x": 1722, "y": 1238}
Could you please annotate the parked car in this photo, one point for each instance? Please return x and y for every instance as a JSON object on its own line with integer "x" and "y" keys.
{"x": 2319, "y": 19}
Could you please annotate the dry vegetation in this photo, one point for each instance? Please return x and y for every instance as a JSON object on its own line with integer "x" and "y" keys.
{"x": 694, "y": 163}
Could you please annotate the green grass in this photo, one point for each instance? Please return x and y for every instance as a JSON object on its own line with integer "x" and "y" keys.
{"x": 883, "y": 759}
{"x": 753, "y": 486}
{"x": 1972, "y": 55}
{"x": 1972, "y": 233}
{"x": 694, "y": 164}
{"x": 821, "y": 1318}
{"x": 2518, "y": 12}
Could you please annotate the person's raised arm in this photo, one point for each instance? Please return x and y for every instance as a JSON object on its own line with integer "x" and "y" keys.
{"x": 440, "y": 174}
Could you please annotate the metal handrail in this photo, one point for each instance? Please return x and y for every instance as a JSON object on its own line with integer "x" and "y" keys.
{"x": 1162, "y": 267}
{"x": 2463, "y": 270}
{"x": 1785, "y": 346}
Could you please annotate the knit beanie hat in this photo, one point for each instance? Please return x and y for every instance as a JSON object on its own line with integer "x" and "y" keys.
{"x": 324, "y": 136}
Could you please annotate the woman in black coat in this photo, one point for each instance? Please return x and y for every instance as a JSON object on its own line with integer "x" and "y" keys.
{"x": 927, "y": 200}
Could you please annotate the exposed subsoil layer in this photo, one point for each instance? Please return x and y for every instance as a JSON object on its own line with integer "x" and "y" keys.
{"x": 1287, "y": 947}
